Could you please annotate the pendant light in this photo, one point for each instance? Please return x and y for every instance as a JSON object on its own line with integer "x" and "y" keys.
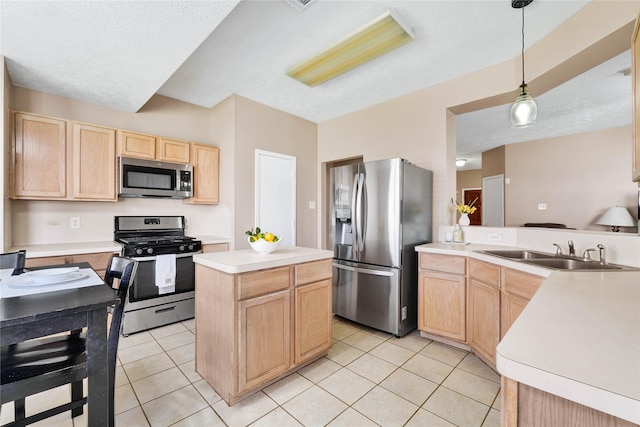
{"x": 524, "y": 109}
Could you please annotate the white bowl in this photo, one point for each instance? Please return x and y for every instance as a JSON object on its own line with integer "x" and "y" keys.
{"x": 263, "y": 247}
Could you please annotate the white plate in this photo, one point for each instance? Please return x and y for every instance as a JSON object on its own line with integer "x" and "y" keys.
{"x": 49, "y": 275}
{"x": 52, "y": 279}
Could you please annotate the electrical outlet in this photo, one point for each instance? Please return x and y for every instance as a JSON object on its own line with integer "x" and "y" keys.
{"x": 74, "y": 222}
{"x": 312, "y": 204}
{"x": 542, "y": 206}
{"x": 495, "y": 237}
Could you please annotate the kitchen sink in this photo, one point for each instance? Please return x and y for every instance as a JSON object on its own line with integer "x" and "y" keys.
{"x": 519, "y": 254}
{"x": 556, "y": 262}
{"x": 574, "y": 264}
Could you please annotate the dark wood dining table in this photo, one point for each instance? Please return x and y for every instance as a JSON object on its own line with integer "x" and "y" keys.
{"x": 32, "y": 316}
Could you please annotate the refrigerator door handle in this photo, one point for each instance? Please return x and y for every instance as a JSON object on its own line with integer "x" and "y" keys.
{"x": 359, "y": 208}
{"x": 354, "y": 213}
{"x": 364, "y": 270}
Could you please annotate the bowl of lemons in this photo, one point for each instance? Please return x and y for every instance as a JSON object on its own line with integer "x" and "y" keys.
{"x": 262, "y": 242}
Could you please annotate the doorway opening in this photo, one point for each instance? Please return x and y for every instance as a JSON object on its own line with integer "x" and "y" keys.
{"x": 468, "y": 196}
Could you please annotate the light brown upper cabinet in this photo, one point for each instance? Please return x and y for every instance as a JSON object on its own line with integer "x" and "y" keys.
{"x": 143, "y": 146}
{"x": 635, "y": 52}
{"x": 50, "y": 164}
{"x": 94, "y": 162}
{"x": 39, "y": 157}
{"x": 138, "y": 145}
{"x": 171, "y": 150}
{"x": 206, "y": 174}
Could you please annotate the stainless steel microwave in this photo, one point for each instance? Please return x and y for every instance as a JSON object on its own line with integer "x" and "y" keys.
{"x": 153, "y": 178}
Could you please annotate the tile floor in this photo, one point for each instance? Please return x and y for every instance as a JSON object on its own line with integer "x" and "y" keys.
{"x": 369, "y": 378}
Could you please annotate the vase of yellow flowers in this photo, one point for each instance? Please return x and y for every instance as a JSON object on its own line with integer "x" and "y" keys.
{"x": 464, "y": 210}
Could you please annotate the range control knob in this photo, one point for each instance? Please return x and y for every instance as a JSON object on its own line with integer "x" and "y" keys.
{"x": 139, "y": 251}
{"x": 190, "y": 247}
{"x": 149, "y": 250}
{"x": 181, "y": 248}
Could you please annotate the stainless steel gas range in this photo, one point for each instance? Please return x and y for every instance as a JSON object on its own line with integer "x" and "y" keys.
{"x": 145, "y": 239}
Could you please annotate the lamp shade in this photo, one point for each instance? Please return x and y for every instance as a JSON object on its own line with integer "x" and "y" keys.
{"x": 617, "y": 217}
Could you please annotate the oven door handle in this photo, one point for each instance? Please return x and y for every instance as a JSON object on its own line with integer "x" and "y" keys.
{"x": 153, "y": 258}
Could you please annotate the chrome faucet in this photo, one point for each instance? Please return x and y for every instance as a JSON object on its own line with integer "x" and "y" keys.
{"x": 558, "y": 249}
{"x": 602, "y": 256}
{"x": 586, "y": 256}
{"x": 572, "y": 250}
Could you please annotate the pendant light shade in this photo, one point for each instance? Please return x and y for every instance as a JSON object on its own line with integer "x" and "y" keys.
{"x": 524, "y": 110}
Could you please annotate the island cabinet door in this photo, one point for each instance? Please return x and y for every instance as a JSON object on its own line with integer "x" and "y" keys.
{"x": 312, "y": 320}
{"x": 264, "y": 349}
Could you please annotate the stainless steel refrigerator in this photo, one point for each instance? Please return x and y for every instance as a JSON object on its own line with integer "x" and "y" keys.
{"x": 379, "y": 211}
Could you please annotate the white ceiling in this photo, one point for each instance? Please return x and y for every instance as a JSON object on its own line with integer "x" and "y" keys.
{"x": 120, "y": 53}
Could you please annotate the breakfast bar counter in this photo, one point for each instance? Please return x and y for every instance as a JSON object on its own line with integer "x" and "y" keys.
{"x": 260, "y": 317}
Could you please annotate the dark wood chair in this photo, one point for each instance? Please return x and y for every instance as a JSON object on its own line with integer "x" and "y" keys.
{"x": 13, "y": 260}
{"x": 42, "y": 364}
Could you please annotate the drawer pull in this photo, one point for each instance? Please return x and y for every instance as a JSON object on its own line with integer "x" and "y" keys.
{"x": 162, "y": 310}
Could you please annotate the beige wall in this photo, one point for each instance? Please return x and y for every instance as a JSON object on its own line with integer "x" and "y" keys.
{"x": 493, "y": 162}
{"x": 418, "y": 126}
{"x": 258, "y": 126}
{"x": 577, "y": 176}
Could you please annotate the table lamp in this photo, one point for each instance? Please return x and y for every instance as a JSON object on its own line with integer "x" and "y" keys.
{"x": 617, "y": 217}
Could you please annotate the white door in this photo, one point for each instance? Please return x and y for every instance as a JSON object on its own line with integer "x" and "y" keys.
{"x": 493, "y": 201}
{"x": 276, "y": 195}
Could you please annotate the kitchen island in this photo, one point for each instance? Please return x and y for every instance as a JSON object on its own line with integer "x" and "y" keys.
{"x": 572, "y": 356}
{"x": 260, "y": 317}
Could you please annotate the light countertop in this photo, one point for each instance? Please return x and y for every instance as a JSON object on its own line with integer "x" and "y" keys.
{"x": 245, "y": 260}
{"x": 62, "y": 249}
{"x": 578, "y": 337}
{"x": 73, "y": 248}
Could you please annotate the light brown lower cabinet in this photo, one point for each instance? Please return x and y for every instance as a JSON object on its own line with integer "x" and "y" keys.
{"x": 475, "y": 311}
{"x": 525, "y": 406}
{"x": 517, "y": 289}
{"x": 98, "y": 261}
{"x": 254, "y": 328}
{"x": 312, "y": 320}
{"x": 484, "y": 320}
{"x": 442, "y": 296}
{"x": 483, "y": 310}
{"x": 215, "y": 247}
{"x": 264, "y": 338}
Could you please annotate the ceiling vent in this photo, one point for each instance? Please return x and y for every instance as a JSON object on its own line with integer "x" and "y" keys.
{"x": 300, "y": 4}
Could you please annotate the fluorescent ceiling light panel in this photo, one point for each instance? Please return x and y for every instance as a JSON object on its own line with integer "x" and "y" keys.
{"x": 370, "y": 41}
